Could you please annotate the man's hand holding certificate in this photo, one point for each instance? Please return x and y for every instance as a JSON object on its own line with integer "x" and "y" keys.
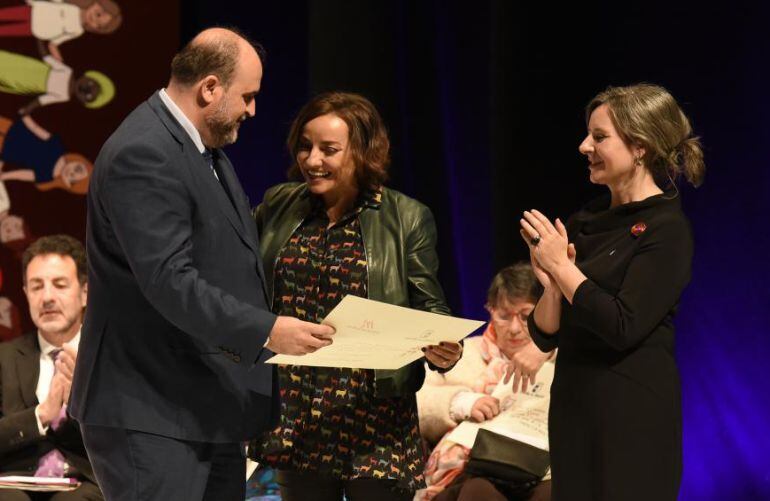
{"x": 375, "y": 335}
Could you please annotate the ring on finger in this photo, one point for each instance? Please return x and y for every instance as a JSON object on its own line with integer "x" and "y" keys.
{"x": 534, "y": 241}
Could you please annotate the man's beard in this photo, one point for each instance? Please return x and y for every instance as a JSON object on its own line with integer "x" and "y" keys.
{"x": 223, "y": 130}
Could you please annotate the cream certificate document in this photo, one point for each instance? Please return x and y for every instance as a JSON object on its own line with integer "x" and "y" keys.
{"x": 41, "y": 484}
{"x": 375, "y": 335}
{"x": 524, "y": 416}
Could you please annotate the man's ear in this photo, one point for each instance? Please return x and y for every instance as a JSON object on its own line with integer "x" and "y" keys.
{"x": 209, "y": 89}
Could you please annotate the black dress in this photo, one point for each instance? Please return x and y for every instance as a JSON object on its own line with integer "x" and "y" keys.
{"x": 615, "y": 416}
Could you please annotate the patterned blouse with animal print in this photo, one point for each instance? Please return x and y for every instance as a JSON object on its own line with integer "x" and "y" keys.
{"x": 331, "y": 422}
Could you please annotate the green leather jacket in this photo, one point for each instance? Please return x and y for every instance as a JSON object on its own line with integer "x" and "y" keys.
{"x": 400, "y": 243}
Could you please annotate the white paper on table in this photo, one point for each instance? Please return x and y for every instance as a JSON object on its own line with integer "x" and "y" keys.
{"x": 39, "y": 484}
{"x": 524, "y": 416}
{"x": 375, "y": 335}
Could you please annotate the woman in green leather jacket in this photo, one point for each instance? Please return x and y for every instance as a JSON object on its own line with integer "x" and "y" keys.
{"x": 339, "y": 232}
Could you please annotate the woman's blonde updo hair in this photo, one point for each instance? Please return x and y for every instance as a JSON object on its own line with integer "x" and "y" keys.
{"x": 648, "y": 116}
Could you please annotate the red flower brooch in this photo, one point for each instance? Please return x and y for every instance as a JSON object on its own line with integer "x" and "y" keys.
{"x": 638, "y": 229}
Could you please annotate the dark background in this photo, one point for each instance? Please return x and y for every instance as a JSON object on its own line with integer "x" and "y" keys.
{"x": 484, "y": 103}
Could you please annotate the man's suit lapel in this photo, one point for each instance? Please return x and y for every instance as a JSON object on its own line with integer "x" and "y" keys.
{"x": 28, "y": 368}
{"x": 236, "y": 215}
{"x": 202, "y": 171}
{"x": 231, "y": 185}
{"x": 230, "y": 180}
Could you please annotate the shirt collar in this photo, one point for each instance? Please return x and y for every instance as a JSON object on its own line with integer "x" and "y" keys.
{"x": 185, "y": 122}
{"x": 372, "y": 198}
{"x": 46, "y": 348}
{"x": 368, "y": 198}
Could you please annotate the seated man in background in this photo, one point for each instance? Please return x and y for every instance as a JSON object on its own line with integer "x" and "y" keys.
{"x": 464, "y": 393}
{"x": 36, "y": 436}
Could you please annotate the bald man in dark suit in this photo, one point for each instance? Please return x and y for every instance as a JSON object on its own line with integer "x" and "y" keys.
{"x": 171, "y": 377}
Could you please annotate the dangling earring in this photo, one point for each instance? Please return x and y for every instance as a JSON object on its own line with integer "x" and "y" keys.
{"x": 638, "y": 161}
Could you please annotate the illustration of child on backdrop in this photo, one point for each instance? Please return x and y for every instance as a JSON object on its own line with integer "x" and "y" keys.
{"x": 52, "y": 81}
{"x": 10, "y": 319}
{"x": 57, "y": 21}
{"x": 42, "y": 157}
{"x": 14, "y": 232}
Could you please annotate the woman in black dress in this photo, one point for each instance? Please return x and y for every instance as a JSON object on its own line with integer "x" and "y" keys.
{"x": 615, "y": 417}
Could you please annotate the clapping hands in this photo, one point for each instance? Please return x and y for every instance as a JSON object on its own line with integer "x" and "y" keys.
{"x": 548, "y": 245}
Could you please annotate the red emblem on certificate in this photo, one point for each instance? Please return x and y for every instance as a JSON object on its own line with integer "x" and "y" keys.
{"x": 638, "y": 229}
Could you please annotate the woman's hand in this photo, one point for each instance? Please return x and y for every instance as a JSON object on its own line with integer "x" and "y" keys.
{"x": 545, "y": 278}
{"x": 486, "y": 407}
{"x": 548, "y": 244}
{"x": 443, "y": 355}
{"x": 524, "y": 366}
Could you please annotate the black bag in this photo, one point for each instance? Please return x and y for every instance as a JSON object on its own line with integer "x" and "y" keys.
{"x": 505, "y": 461}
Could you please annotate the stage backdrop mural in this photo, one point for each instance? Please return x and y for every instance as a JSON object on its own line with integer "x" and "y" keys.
{"x": 70, "y": 71}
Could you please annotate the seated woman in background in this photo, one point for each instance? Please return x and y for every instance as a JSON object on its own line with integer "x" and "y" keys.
{"x": 464, "y": 393}
{"x": 338, "y": 232}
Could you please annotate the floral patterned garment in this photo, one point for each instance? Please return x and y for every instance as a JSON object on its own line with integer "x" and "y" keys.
{"x": 331, "y": 422}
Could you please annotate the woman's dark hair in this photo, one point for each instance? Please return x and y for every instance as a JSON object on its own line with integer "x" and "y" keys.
{"x": 516, "y": 281}
{"x": 368, "y": 138}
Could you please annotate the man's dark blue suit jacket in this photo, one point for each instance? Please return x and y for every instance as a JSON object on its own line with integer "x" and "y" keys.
{"x": 177, "y": 311}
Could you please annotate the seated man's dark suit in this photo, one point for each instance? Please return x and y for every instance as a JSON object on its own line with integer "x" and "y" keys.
{"x": 172, "y": 342}
{"x": 21, "y": 445}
